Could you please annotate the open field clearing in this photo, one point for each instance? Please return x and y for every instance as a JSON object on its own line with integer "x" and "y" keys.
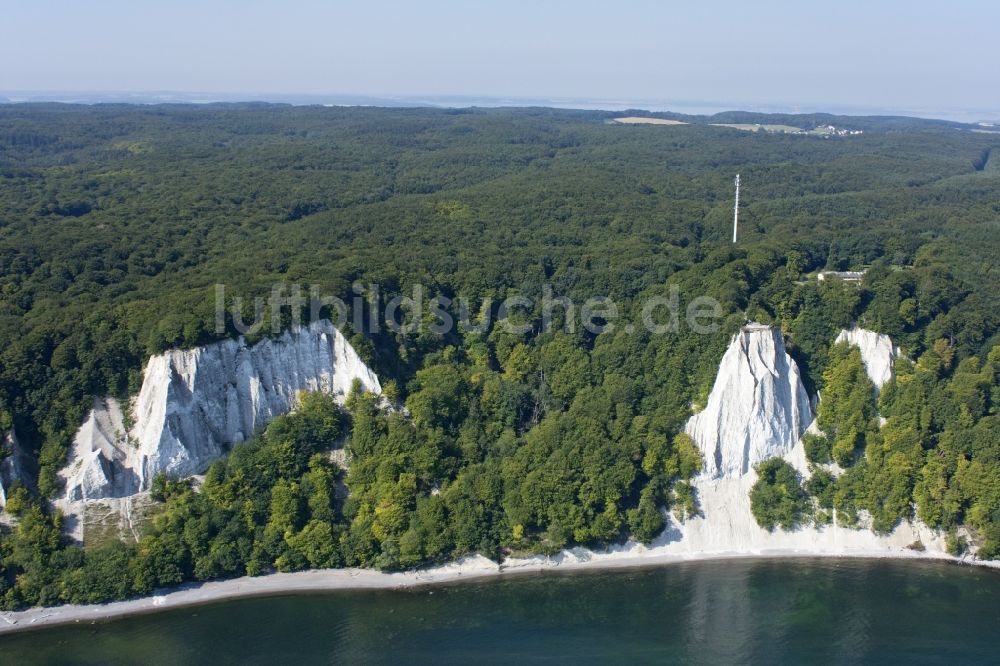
{"x": 755, "y": 128}
{"x": 638, "y": 120}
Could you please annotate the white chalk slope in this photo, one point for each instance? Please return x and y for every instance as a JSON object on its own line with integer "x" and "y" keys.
{"x": 758, "y": 407}
{"x": 760, "y": 400}
{"x": 877, "y": 352}
{"x": 195, "y": 404}
{"x": 13, "y": 466}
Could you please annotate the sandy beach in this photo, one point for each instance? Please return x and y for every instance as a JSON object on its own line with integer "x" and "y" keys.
{"x": 725, "y": 530}
{"x": 469, "y": 568}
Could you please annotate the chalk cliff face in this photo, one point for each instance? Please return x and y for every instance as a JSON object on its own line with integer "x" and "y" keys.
{"x": 195, "y": 404}
{"x": 758, "y": 407}
{"x": 13, "y": 465}
{"x": 877, "y": 352}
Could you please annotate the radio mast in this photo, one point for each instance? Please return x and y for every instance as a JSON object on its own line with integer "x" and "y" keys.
{"x": 736, "y": 207}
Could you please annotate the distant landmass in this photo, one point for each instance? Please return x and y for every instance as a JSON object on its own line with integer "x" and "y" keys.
{"x": 696, "y": 107}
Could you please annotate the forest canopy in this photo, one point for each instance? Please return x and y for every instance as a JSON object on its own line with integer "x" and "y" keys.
{"x": 117, "y": 222}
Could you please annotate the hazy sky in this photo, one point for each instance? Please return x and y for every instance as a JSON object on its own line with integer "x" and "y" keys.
{"x": 905, "y": 54}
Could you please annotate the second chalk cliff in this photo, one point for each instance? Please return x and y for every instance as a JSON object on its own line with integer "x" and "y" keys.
{"x": 758, "y": 407}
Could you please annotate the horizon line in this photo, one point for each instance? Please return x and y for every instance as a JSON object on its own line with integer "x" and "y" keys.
{"x": 455, "y": 100}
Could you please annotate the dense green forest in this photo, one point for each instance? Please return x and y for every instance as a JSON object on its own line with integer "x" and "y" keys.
{"x": 116, "y": 222}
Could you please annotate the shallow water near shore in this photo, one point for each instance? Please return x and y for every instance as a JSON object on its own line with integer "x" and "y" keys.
{"x": 734, "y": 611}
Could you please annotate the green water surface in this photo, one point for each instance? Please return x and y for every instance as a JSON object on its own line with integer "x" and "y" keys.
{"x": 723, "y": 612}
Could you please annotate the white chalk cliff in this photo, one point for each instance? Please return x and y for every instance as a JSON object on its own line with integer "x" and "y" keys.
{"x": 195, "y": 404}
{"x": 13, "y": 465}
{"x": 758, "y": 407}
{"x": 877, "y": 352}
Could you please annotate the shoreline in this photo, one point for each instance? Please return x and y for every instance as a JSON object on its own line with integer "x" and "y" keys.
{"x": 469, "y": 568}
